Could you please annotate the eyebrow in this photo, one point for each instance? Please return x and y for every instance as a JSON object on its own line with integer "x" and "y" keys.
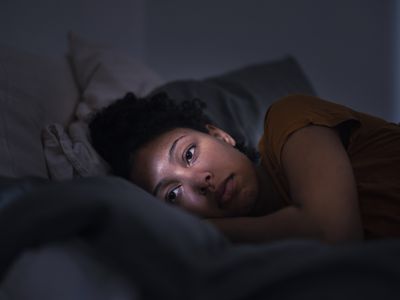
{"x": 170, "y": 155}
{"x": 173, "y": 146}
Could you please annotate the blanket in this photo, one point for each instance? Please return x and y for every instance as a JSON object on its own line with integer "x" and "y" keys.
{"x": 166, "y": 253}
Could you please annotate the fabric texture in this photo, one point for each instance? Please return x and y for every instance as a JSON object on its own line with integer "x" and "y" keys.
{"x": 236, "y": 100}
{"x": 103, "y": 74}
{"x": 109, "y": 236}
{"x": 70, "y": 154}
{"x": 68, "y": 270}
{"x": 372, "y": 144}
{"x": 117, "y": 219}
{"x": 34, "y": 91}
{"x": 232, "y": 99}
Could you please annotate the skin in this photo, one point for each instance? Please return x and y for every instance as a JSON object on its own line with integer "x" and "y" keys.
{"x": 322, "y": 182}
{"x": 318, "y": 169}
{"x": 200, "y": 168}
{"x": 323, "y": 191}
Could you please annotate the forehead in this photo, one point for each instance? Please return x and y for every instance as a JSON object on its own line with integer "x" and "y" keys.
{"x": 148, "y": 157}
{"x": 164, "y": 141}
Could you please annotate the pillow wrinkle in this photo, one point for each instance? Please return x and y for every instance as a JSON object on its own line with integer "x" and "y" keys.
{"x": 34, "y": 91}
{"x": 71, "y": 155}
{"x": 103, "y": 75}
{"x": 89, "y": 78}
{"x": 237, "y": 100}
{"x": 57, "y": 162}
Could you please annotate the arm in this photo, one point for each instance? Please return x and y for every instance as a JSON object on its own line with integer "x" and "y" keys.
{"x": 323, "y": 190}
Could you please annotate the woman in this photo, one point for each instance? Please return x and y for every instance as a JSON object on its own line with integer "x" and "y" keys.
{"x": 326, "y": 172}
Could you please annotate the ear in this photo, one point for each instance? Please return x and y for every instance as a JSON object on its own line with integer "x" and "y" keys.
{"x": 220, "y": 134}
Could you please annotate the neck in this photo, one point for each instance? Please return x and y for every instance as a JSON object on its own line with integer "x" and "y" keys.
{"x": 268, "y": 199}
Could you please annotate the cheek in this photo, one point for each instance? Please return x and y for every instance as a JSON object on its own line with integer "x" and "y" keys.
{"x": 196, "y": 204}
{"x": 223, "y": 154}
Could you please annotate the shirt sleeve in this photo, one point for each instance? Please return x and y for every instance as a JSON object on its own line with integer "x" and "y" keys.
{"x": 294, "y": 112}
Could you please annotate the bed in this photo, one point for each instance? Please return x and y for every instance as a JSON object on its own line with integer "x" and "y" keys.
{"x": 71, "y": 230}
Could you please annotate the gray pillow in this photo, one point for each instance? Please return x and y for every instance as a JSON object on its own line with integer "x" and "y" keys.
{"x": 34, "y": 91}
{"x": 237, "y": 101}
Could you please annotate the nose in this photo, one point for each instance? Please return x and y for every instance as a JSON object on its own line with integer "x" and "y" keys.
{"x": 198, "y": 182}
{"x": 204, "y": 184}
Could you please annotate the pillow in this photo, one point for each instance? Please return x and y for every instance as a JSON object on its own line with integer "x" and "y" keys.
{"x": 34, "y": 91}
{"x": 103, "y": 75}
{"x": 237, "y": 101}
{"x": 70, "y": 154}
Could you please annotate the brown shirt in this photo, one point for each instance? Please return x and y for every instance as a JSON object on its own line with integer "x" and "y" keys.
{"x": 373, "y": 146}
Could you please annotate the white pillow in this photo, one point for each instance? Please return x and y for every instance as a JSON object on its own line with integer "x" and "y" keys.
{"x": 70, "y": 155}
{"x": 34, "y": 91}
{"x": 103, "y": 75}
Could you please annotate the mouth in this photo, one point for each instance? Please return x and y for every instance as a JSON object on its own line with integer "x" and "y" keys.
{"x": 225, "y": 191}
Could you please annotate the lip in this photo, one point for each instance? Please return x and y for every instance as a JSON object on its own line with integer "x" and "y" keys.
{"x": 225, "y": 191}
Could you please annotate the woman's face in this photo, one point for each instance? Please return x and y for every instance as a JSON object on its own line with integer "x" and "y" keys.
{"x": 202, "y": 173}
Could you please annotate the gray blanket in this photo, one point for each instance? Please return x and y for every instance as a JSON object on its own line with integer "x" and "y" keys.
{"x": 104, "y": 238}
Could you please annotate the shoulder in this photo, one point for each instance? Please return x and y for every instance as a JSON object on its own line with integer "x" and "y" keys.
{"x": 300, "y": 110}
{"x": 287, "y": 115}
{"x": 291, "y": 105}
{"x": 293, "y": 112}
{"x": 294, "y": 100}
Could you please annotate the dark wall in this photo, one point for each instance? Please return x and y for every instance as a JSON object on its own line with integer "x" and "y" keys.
{"x": 41, "y": 26}
{"x": 345, "y": 46}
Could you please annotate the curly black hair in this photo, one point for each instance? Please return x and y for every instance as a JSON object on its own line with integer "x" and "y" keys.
{"x": 123, "y": 127}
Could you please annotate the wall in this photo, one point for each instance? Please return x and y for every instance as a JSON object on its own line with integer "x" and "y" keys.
{"x": 345, "y": 46}
{"x": 42, "y": 25}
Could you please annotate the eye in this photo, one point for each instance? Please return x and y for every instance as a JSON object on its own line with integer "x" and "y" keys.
{"x": 172, "y": 195}
{"x": 189, "y": 154}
